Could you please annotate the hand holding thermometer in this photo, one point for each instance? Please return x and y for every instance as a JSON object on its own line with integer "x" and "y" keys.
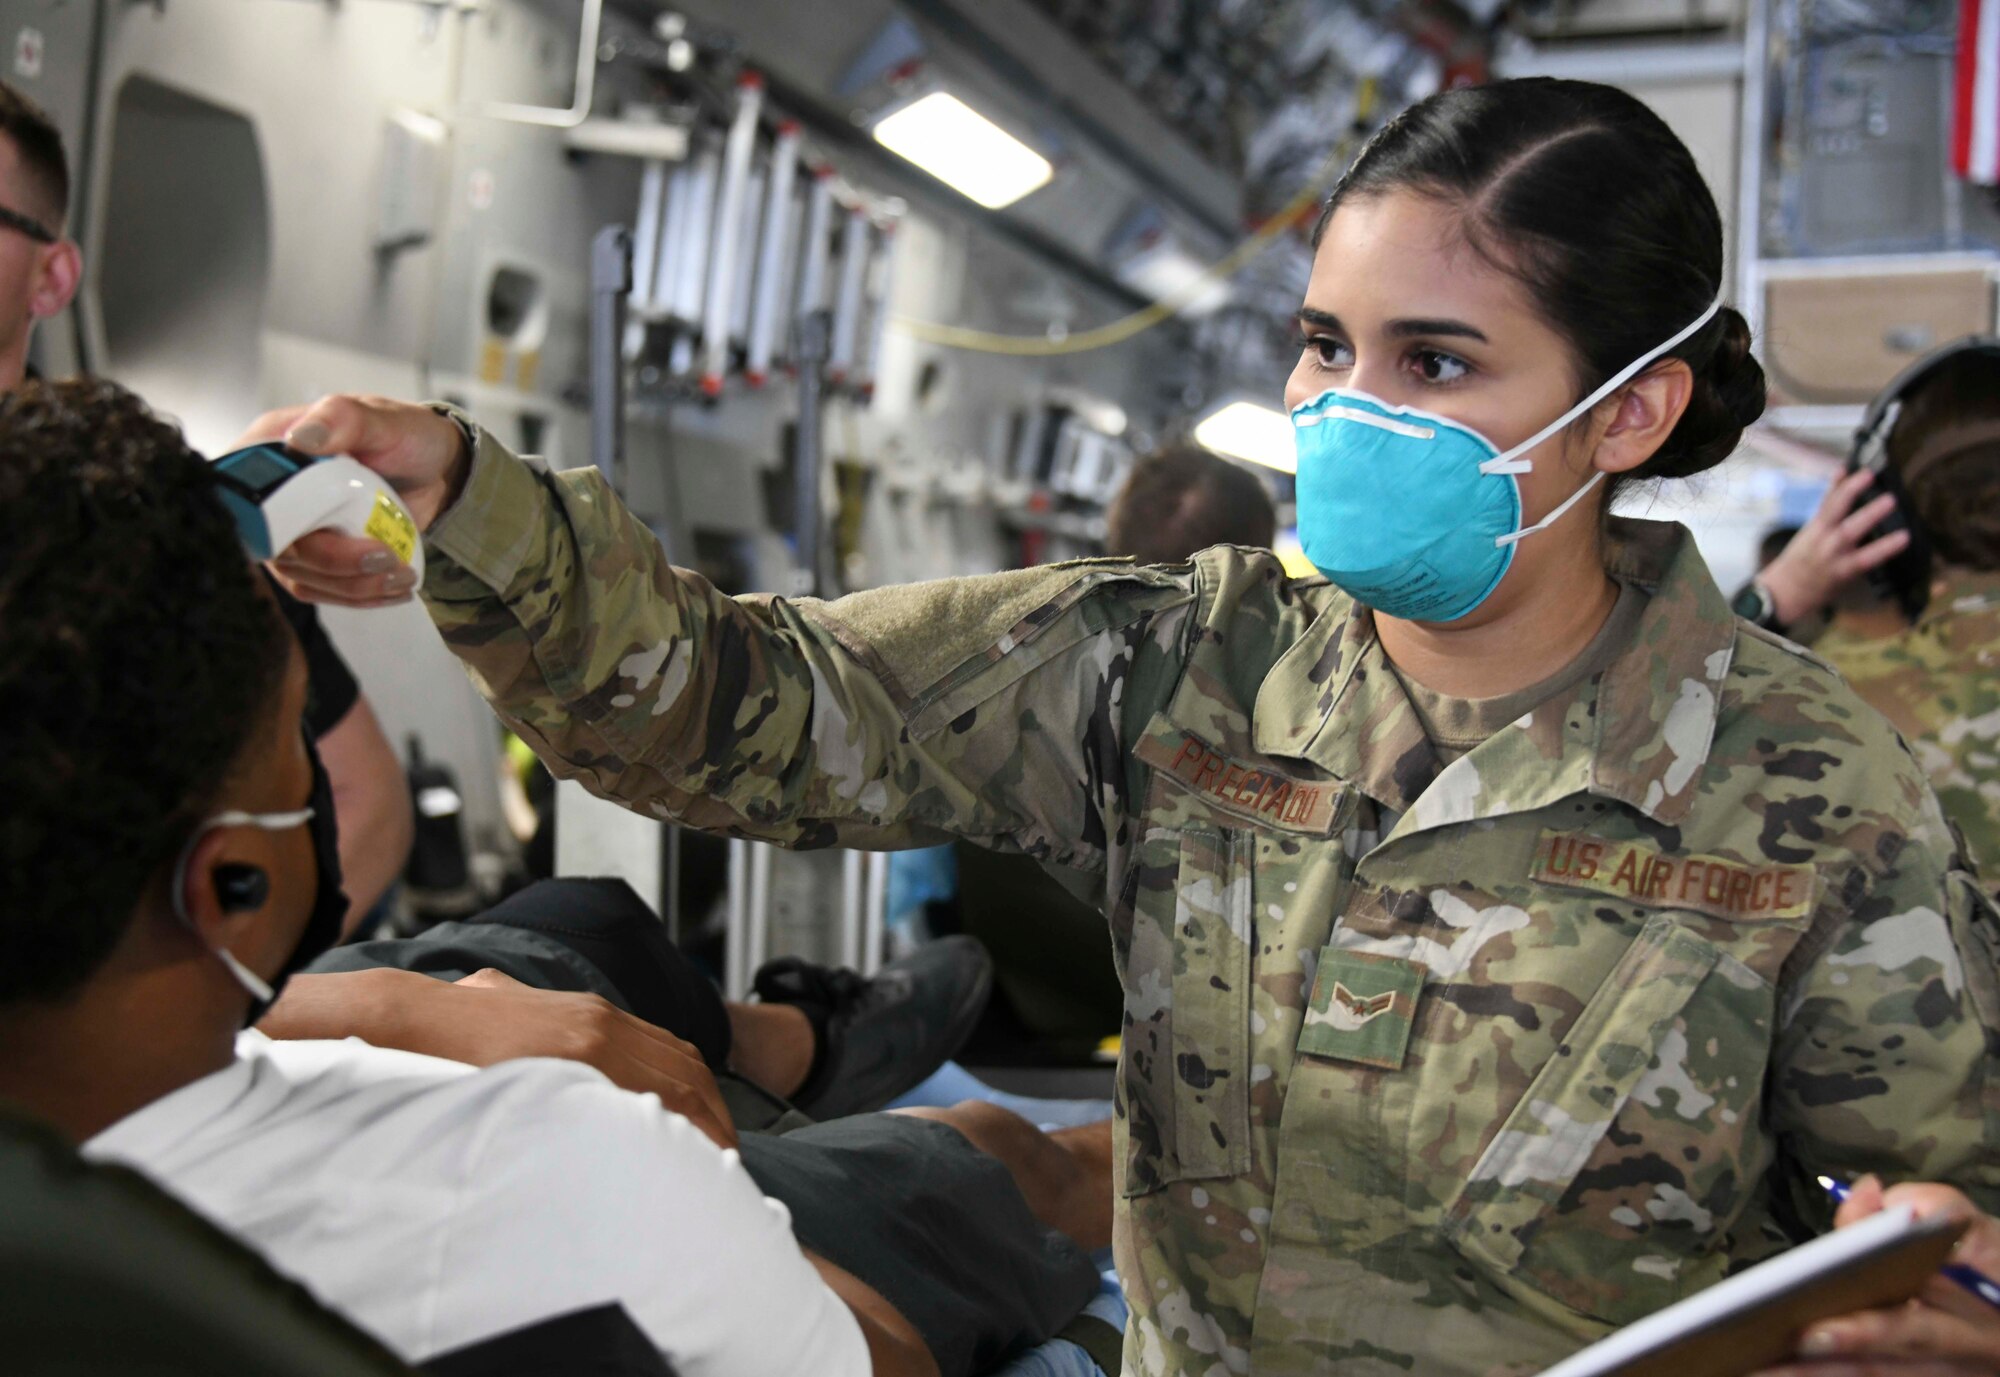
{"x": 277, "y": 495}
{"x": 1971, "y": 1278}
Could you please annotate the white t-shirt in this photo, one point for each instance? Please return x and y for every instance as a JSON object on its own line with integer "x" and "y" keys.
{"x": 435, "y": 1205}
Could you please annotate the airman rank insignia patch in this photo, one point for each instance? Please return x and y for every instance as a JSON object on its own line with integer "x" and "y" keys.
{"x": 1362, "y": 1008}
{"x": 1642, "y": 874}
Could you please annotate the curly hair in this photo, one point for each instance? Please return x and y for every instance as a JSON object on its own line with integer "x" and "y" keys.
{"x": 138, "y": 659}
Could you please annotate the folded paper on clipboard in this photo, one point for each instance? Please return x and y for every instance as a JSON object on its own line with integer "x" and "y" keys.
{"x": 1753, "y": 1320}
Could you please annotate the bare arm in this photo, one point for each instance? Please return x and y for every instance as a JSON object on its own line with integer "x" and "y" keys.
{"x": 372, "y": 801}
{"x": 488, "y": 1018}
{"x": 895, "y": 1349}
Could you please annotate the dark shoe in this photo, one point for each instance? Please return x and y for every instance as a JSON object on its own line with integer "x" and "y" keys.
{"x": 883, "y": 1036}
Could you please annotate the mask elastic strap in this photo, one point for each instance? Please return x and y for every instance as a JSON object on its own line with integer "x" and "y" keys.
{"x": 1504, "y": 463}
{"x": 253, "y": 984}
{"x": 1554, "y": 516}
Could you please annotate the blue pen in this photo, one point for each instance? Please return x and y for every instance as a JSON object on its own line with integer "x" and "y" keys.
{"x": 1971, "y": 1278}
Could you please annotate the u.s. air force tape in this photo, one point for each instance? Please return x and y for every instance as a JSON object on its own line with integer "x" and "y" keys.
{"x": 1642, "y": 874}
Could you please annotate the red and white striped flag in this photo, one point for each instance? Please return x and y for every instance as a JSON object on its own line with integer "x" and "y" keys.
{"x": 1975, "y": 129}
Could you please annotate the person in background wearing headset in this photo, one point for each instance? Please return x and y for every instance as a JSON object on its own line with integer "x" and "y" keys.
{"x": 1928, "y": 658}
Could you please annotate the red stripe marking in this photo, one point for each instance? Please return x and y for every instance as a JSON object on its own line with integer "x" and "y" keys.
{"x": 1967, "y": 78}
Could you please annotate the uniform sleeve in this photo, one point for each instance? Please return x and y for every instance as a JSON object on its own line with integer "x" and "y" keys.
{"x": 989, "y": 708}
{"x": 1889, "y": 1041}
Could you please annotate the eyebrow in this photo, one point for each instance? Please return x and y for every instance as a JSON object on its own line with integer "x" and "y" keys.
{"x": 1398, "y": 329}
{"x": 1406, "y": 329}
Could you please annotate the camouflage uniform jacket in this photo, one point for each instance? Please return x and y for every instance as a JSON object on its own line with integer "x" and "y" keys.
{"x": 1939, "y": 685}
{"x": 1421, "y": 1074}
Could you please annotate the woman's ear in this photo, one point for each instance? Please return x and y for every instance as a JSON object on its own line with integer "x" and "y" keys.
{"x": 1643, "y": 415}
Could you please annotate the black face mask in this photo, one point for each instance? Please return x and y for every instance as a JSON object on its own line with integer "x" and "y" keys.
{"x": 322, "y": 927}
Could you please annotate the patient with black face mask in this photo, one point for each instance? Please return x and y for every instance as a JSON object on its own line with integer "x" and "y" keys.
{"x": 164, "y": 828}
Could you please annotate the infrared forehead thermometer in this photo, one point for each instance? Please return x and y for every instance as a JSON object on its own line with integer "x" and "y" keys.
{"x": 277, "y": 495}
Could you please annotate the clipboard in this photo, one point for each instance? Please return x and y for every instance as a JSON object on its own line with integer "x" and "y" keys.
{"x": 1752, "y": 1320}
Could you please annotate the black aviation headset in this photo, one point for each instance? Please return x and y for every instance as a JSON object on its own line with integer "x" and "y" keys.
{"x": 1906, "y": 578}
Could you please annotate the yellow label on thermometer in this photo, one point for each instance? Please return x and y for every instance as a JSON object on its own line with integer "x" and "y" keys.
{"x": 391, "y": 525}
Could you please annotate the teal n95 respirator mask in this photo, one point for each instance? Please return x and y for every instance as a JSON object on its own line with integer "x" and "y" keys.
{"x": 1414, "y": 514}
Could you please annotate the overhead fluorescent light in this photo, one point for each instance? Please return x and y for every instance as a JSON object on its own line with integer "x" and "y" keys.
{"x": 963, "y": 149}
{"x": 1247, "y": 431}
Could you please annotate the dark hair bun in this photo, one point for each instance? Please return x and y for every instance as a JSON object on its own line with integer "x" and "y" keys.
{"x": 1728, "y": 395}
{"x": 1583, "y": 193}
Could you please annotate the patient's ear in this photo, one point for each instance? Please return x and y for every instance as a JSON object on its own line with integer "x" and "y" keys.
{"x": 199, "y": 902}
{"x": 61, "y": 273}
{"x": 225, "y": 888}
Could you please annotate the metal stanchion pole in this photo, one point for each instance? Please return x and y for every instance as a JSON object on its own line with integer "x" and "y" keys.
{"x": 610, "y": 285}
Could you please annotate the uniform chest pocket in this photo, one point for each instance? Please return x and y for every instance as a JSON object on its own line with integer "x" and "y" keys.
{"x": 1185, "y": 1069}
{"x": 1601, "y": 1214}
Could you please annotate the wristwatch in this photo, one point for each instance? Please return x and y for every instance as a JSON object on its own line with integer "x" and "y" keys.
{"x": 1754, "y": 605}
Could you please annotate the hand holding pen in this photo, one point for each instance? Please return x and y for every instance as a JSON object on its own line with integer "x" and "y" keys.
{"x": 1952, "y": 1330}
{"x": 1959, "y": 1273}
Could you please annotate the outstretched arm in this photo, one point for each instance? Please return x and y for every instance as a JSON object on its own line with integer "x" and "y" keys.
{"x": 993, "y": 709}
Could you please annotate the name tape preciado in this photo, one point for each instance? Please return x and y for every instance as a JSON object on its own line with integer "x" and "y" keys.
{"x": 1256, "y": 792}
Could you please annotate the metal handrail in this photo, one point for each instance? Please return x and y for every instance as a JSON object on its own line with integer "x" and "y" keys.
{"x": 554, "y": 117}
